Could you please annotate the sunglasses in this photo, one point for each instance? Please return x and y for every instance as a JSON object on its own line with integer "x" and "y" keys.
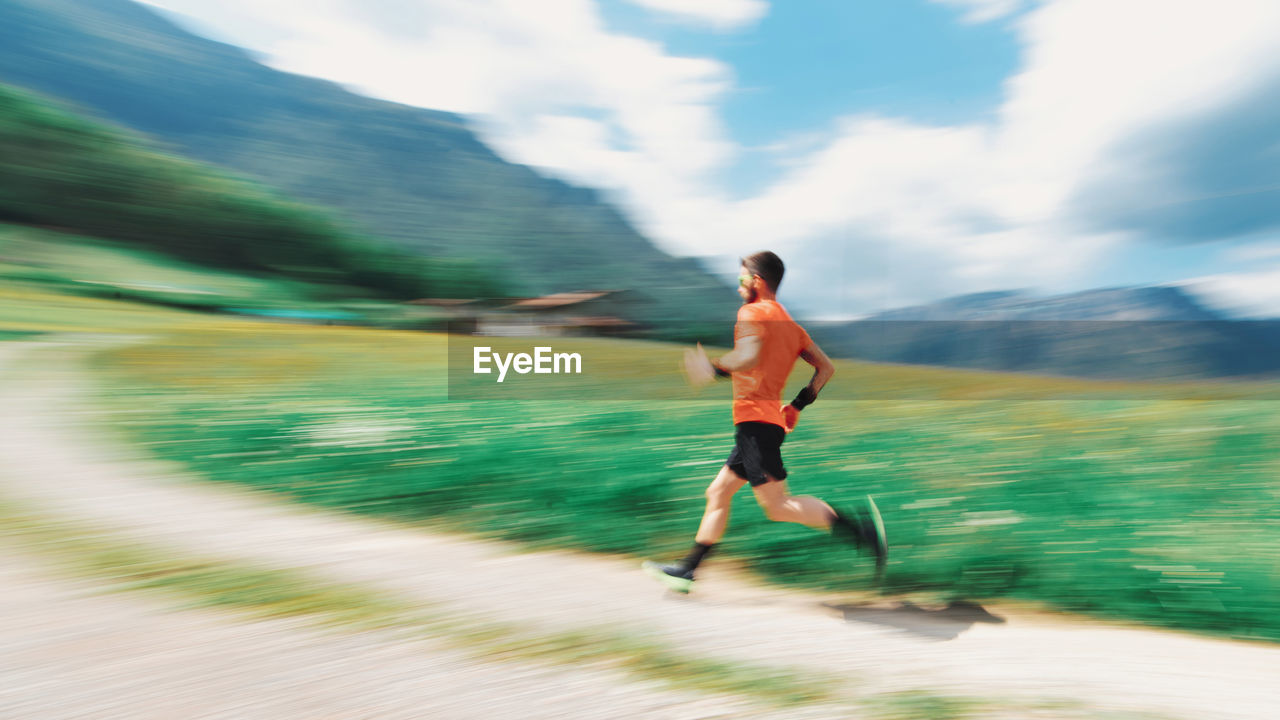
{"x": 745, "y": 280}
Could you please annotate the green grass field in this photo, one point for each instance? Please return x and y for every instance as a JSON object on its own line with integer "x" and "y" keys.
{"x": 55, "y": 266}
{"x": 1154, "y": 510}
{"x": 94, "y": 267}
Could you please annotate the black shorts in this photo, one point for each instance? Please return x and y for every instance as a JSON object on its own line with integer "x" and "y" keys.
{"x": 757, "y": 452}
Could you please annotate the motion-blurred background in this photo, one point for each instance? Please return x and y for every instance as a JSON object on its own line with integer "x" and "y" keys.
{"x": 1040, "y": 236}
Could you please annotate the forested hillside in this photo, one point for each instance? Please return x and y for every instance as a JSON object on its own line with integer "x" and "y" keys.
{"x": 66, "y": 172}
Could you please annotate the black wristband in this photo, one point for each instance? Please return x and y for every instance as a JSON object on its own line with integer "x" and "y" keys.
{"x": 804, "y": 398}
{"x": 721, "y": 372}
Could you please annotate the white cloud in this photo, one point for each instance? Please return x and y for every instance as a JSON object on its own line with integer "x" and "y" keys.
{"x": 1247, "y": 294}
{"x": 1098, "y": 72}
{"x": 1254, "y": 252}
{"x": 979, "y": 11}
{"x": 719, "y": 14}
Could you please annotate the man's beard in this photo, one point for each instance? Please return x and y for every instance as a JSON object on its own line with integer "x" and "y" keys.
{"x": 751, "y": 297}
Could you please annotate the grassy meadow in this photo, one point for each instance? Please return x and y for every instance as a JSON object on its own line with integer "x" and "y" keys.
{"x": 1162, "y": 511}
{"x": 43, "y": 269}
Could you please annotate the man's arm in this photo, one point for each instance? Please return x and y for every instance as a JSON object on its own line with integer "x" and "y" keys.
{"x": 823, "y": 370}
{"x": 744, "y": 355}
{"x": 701, "y": 370}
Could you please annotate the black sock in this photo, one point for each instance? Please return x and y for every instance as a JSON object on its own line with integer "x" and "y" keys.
{"x": 843, "y": 527}
{"x": 699, "y": 551}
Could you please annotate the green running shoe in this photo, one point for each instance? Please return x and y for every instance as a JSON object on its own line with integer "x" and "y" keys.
{"x": 876, "y": 536}
{"x": 674, "y": 577}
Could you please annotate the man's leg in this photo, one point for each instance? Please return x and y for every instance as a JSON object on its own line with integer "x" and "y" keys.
{"x": 861, "y": 529}
{"x": 782, "y": 506}
{"x": 715, "y": 518}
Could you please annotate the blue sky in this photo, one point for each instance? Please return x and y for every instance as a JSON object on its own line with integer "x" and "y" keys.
{"x": 805, "y": 63}
{"x": 892, "y": 151}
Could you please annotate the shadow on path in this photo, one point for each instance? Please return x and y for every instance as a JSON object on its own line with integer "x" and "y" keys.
{"x": 939, "y": 624}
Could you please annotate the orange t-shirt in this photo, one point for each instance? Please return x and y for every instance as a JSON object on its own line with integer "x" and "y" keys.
{"x": 757, "y": 393}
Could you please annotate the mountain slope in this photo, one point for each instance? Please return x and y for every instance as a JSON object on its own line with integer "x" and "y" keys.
{"x": 418, "y": 177}
{"x": 61, "y": 170}
{"x": 1151, "y": 333}
{"x": 1149, "y": 304}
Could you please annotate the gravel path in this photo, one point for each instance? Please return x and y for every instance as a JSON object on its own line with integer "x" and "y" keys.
{"x": 70, "y": 652}
{"x": 53, "y": 461}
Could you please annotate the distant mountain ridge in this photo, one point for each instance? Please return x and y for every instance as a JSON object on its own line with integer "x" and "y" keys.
{"x": 1149, "y": 333}
{"x": 420, "y": 178}
{"x": 1168, "y": 304}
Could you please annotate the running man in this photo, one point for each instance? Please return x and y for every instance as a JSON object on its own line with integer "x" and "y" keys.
{"x": 766, "y": 344}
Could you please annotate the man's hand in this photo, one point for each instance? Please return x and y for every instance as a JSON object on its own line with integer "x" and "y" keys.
{"x": 698, "y": 368}
{"x": 790, "y": 416}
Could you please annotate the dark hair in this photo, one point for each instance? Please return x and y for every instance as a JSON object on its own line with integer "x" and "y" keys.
{"x": 768, "y": 266}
